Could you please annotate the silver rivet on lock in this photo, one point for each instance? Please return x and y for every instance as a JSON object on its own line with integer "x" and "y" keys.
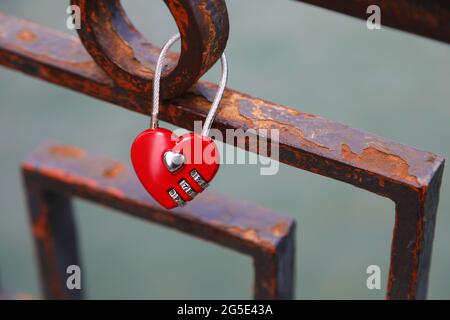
{"x": 173, "y": 161}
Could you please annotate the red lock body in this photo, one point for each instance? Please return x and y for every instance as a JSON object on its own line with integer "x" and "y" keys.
{"x": 147, "y": 156}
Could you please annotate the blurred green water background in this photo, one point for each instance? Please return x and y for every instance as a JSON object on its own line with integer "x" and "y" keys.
{"x": 386, "y": 82}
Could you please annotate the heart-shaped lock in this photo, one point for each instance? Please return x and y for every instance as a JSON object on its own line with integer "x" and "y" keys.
{"x": 173, "y": 187}
{"x": 175, "y": 169}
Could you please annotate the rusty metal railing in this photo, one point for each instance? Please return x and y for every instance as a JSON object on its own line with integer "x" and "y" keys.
{"x": 429, "y": 18}
{"x": 54, "y": 173}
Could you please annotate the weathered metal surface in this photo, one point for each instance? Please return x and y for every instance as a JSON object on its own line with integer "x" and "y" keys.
{"x": 130, "y": 60}
{"x": 53, "y": 230}
{"x": 15, "y": 296}
{"x": 54, "y": 173}
{"x": 429, "y": 18}
{"x": 408, "y": 176}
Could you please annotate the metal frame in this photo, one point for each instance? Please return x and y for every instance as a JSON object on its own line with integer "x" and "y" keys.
{"x": 409, "y": 177}
{"x": 429, "y": 18}
{"x": 55, "y": 173}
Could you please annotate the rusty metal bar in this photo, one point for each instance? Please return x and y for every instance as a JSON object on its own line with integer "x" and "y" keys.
{"x": 54, "y": 173}
{"x": 15, "y": 296}
{"x": 53, "y": 229}
{"x": 123, "y": 53}
{"x": 429, "y": 18}
{"x": 410, "y": 177}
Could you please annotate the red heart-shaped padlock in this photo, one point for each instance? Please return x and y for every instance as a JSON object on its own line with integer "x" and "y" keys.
{"x": 174, "y": 169}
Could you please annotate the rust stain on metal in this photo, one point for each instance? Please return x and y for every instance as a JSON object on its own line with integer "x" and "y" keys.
{"x": 116, "y": 192}
{"x": 210, "y": 10}
{"x": 113, "y": 171}
{"x": 41, "y": 226}
{"x": 26, "y": 36}
{"x": 288, "y": 121}
{"x": 280, "y": 229}
{"x": 373, "y": 159}
{"x": 67, "y": 151}
{"x": 416, "y": 250}
{"x": 165, "y": 217}
{"x": 252, "y": 235}
{"x": 182, "y": 17}
{"x": 249, "y": 234}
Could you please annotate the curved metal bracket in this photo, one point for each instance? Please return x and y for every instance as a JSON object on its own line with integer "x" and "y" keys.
{"x": 129, "y": 59}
